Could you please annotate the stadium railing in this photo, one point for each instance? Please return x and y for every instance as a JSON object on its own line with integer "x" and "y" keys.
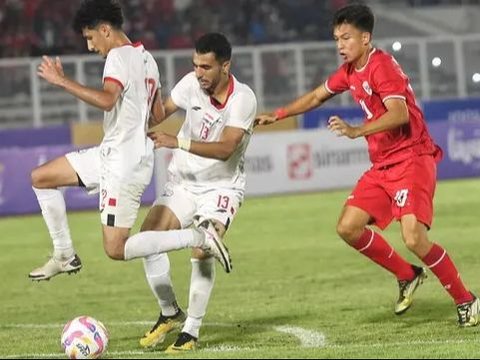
{"x": 438, "y": 68}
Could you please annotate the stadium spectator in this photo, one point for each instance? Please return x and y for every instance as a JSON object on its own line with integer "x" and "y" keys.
{"x": 32, "y": 29}
{"x": 401, "y": 183}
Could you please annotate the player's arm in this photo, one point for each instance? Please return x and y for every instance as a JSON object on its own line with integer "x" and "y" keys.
{"x": 104, "y": 99}
{"x": 396, "y": 116}
{"x": 220, "y": 150}
{"x": 309, "y": 101}
{"x": 161, "y": 111}
{"x": 170, "y": 107}
{"x": 157, "y": 112}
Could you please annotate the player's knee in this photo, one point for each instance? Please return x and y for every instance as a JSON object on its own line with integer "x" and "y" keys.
{"x": 413, "y": 241}
{"x": 347, "y": 231}
{"x": 114, "y": 254}
{"x": 114, "y": 251}
{"x": 37, "y": 178}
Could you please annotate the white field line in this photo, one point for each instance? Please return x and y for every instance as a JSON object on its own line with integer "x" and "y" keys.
{"x": 308, "y": 338}
{"x": 226, "y": 348}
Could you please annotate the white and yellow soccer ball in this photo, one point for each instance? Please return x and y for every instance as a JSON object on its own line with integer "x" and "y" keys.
{"x": 84, "y": 338}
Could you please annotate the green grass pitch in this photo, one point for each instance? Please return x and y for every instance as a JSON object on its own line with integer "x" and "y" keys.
{"x": 296, "y": 291}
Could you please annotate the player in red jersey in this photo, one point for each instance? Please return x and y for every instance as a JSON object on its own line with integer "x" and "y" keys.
{"x": 401, "y": 182}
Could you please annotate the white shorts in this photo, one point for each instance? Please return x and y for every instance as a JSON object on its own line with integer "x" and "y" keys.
{"x": 185, "y": 201}
{"x": 119, "y": 199}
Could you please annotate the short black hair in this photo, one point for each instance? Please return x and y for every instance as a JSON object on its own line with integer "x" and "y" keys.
{"x": 216, "y": 43}
{"x": 94, "y": 12}
{"x": 358, "y": 15}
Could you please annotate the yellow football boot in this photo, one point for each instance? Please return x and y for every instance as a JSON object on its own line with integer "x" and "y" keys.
{"x": 185, "y": 342}
{"x": 164, "y": 325}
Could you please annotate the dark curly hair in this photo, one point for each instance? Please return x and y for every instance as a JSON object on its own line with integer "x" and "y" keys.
{"x": 94, "y": 12}
{"x": 216, "y": 43}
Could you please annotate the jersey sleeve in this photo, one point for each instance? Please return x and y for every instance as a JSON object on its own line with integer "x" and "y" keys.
{"x": 180, "y": 94}
{"x": 337, "y": 82}
{"x": 115, "y": 69}
{"x": 243, "y": 111}
{"x": 389, "y": 81}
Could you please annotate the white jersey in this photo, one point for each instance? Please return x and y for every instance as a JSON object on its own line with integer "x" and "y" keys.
{"x": 125, "y": 143}
{"x": 205, "y": 120}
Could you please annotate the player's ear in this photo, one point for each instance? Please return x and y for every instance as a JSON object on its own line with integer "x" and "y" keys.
{"x": 105, "y": 29}
{"x": 226, "y": 66}
{"x": 366, "y": 38}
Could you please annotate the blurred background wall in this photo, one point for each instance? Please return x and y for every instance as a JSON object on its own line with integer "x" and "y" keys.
{"x": 282, "y": 48}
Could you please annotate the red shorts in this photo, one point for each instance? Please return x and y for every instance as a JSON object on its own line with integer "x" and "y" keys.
{"x": 396, "y": 190}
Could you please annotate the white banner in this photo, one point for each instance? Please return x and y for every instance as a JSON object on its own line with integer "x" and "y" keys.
{"x": 294, "y": 161}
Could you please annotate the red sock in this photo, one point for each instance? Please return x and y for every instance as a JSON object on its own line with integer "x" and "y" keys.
{"x": 373, "y": 246}
{"x": 442, "y": 266}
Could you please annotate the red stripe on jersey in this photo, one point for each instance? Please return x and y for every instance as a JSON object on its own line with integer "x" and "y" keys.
{"x": 118, "y": 82}
{"x": 215, "y": 103}
{"x": 135, "y": 44}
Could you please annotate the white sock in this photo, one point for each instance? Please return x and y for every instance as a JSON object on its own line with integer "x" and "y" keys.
{"x": 148, "y": 243}
{"x": 201, "y": 285}
{"x": 157, "y": 270}
{"x": 54, "y": 213}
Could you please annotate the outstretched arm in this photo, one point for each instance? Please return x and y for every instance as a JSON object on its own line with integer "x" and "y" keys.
{"x": 105, "y": 99}
{"x": 301, "y": 105}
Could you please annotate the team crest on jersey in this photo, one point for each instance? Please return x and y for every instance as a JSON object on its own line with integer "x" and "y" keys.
{"x": 367, "y": 88}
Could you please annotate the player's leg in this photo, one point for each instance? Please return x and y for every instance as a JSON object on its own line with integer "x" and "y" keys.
{"x": 216, "y": 212}
{"x": 157, "y": 271}
{"x": 73, "y": 169}
{"x": 415, "y": 210}
{"x": 153, "y": 242}
{"x": 172, "y": 211}
{"x": 370, "y": 204}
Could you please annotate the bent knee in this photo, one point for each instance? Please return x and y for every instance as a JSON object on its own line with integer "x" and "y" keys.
{"x": 37, "y": 178}
{"x": 413, "y": 241}
{"x": 348, "y": 231}
{"x": 115, "y": 252}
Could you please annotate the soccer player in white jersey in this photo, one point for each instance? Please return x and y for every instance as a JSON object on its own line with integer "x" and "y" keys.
{"x": 205, "y": 189}
{"x": 122, "y": 166}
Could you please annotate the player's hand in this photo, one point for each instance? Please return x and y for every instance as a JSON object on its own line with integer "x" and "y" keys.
{"x": 52, "y": 71}
{"x": 265, "y": 119}
{"x": 341, "y": 128}
{"x": 161, "y": 139}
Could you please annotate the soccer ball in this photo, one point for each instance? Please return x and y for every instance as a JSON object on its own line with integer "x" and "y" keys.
{"x": 84, "y": 338}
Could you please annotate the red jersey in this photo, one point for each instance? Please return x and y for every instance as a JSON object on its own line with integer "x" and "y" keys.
{"x": 381, "y": 79}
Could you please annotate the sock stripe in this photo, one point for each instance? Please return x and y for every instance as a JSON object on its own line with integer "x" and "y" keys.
{"x": 438, "y": 261}
{"x": 369, "y": 242}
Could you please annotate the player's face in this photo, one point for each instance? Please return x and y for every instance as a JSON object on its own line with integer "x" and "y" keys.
{"x": 208, "y": 71}
{"x": 96, "y": 40}
{"x": 352, "y": 43}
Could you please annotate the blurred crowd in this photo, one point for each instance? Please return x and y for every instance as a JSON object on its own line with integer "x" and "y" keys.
{"x": 36, "y": 27}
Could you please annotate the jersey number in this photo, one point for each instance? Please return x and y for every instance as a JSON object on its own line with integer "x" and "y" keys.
{"x": 401, "y": 197}
{"x": 223, "y": 202}
{"x": 365, "y": 109}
